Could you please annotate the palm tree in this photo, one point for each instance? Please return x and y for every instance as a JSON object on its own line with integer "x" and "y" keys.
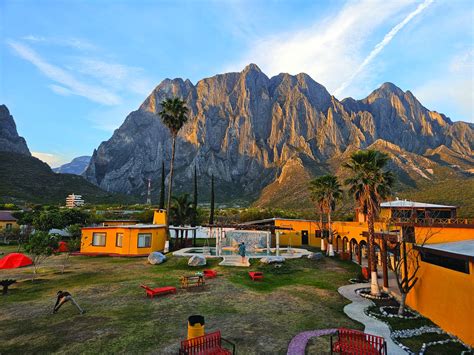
{"x": 326, "y": 190}
{"x": 370, "y": 184}
{"x": 174, "y": 116}
{"x": 182, "y": 212}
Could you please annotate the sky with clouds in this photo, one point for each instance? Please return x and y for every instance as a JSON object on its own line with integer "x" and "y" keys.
{"x": 70, "y": 71}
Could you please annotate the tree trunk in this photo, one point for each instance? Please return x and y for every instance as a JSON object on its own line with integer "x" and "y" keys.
{"x": 331, "y": 244}
{"x": 401, "y": 309}
{"x": 374, "y": 285}
{"x": 321, "y": 227}
{"x": 170, "y": 183}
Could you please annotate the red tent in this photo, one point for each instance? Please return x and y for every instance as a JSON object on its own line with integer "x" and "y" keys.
{"x": 14, "y": 260}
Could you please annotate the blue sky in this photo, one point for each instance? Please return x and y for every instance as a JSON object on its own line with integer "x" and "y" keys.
{"x": 70, "y": 71}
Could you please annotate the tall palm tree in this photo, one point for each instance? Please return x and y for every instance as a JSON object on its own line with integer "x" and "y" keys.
{"x": 327, "y": 191}
{"x": 370, "y": 184}
{"x": 174, "y": 116}
{"x": 317, "y": 196}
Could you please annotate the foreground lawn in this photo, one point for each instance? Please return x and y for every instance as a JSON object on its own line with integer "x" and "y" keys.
{"x": 260, "y": 317}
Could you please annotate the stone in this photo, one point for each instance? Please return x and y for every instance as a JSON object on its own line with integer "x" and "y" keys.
{"x": 315, "y": 256}
{"x": 197, "y": 260}
{"x": 272, "y": 259}
{"x": 156, "y": 258}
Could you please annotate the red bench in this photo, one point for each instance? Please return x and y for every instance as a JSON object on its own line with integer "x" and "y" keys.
{"x": 158, "y": 291}
{"x": 209, "y": 274}
{"x": 206, "y": 345}
{"x": 256, "y": 275}
{"x": 356, "y": 342}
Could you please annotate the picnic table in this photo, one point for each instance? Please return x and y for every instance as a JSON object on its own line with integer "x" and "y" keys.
{"x": 192, "y": 281}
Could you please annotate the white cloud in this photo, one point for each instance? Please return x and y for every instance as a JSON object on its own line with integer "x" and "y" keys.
{"x": 453, "y": 90}
{"x": 63, "y": 77}
{"x": 380, "y": 46}
{"x": 76, "y": 43}
{"x": 331, "y": 49}
{"x": 53, "y": 160}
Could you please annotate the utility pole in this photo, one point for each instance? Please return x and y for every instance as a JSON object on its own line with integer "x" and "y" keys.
{"x": 148, "y": 198}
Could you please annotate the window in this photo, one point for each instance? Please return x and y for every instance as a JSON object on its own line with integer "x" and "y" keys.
{"x": 144, "y": 240}
{"x": 445, "y": 261}
{"x": 8, "y": 226}
{"x": 98, "y": 239}
{"x": 118, "y": 240}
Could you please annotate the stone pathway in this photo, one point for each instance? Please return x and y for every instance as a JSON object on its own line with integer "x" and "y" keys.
{"x": 355, "y": 310}
{"x": 298, "y": 343}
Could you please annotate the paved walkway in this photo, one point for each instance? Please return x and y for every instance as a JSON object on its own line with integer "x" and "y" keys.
{"x": 298, "y": 343}
{"x": 355, "y": 310}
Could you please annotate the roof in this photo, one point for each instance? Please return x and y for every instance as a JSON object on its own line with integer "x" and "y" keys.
{"x": 411, "y": 204}
{"x": 276, "y": 219}
{"x": 463, "y": 248}
{"x": 129, "y": 226}
{"x": 7, "y": 216}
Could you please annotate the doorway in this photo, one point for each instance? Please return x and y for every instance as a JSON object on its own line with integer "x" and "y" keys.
{"x": 304, "y": 237}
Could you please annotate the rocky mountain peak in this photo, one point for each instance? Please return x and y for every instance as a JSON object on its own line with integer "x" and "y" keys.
{"x": 10, "y": 141}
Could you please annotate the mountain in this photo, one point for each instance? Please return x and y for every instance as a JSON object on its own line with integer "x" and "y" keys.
{"x": 10, "y": 141}
{"x": 24, "y": 178}
{"x": 256, "y": 133}
{"x": 28, "y": 179}
{"x": 77, "y": 166}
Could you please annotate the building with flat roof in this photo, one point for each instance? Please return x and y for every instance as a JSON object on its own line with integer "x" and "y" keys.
{"x": 73, "y": 201}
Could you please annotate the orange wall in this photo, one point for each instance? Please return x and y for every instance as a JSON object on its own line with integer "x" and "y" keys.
{"x": 447, "y": 298}
{"x": 3, "y": 224}
{"x": 293, "y": 237}
{"x": 443, "y": 234}
{"x": 129, "y": 240}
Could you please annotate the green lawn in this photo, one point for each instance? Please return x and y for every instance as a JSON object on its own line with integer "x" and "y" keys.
{"x": 260, "y": 317}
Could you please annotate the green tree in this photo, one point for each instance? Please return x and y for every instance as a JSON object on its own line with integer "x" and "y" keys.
{"x": 162, "y": 188}
{"x": 174, "y": 116}
{"x": 211, "y": 214}
{"x": 181, "y": 214}
{"x": 326, "y": 190}
{"x": 40, "y": 246}
{"x": 46, "y": 220}
{"x": 369, "y": 183}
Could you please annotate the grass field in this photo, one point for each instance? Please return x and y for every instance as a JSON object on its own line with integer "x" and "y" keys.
{"x": 260, "y": 317}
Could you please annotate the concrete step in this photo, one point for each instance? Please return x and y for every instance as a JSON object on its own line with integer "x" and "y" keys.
{"x": 234, "y": 260}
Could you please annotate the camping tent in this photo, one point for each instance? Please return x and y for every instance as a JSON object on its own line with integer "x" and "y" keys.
{"x": 14, "y": 260}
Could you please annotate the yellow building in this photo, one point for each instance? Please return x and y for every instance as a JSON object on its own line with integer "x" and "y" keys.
{"x": 7, "y": 221}
{"x": 125, "y": 240}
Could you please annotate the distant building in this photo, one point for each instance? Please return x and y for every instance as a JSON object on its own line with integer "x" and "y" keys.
{"x": 74, "y": 201}
{"x": 7, "y": 221}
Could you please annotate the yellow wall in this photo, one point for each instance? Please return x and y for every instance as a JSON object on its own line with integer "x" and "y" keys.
{"x": 129, "y": 240}
{"x": 3, "y": 224}
{"x": 159, "y": 217}
{"x": 443, "y": 234}
{"x": 293, "y": 237}
{"x": 447, "y": 298}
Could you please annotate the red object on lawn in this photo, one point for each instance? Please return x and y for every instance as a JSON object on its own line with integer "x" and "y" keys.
{"x": 158, "y": 291}
{"x": 207, "y": 344}
{"x": 365, "y": 273}
{"x": 256, "y": 275}
{"x": 209, "y": 274}
{"x": 14, "y": 260}
{"x": 356, "y": 342}
{"x": 63, "y": 247}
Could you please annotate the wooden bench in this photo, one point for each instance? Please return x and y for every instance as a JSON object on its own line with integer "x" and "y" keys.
{"x": 192, "y": 281}
{"x": 206, "y": 345}
{"x": 158, "y": 291}
{"x": 356, "y": 342}
{"x": 256, "y": 275}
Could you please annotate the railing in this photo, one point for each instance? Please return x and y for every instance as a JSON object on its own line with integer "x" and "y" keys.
{"x": 431, "y": 221}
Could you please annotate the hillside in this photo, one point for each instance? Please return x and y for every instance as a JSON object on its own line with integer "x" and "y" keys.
{"x": 27, "y": 179}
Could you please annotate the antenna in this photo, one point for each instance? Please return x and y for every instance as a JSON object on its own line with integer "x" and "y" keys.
{"x": 148, "y": 198}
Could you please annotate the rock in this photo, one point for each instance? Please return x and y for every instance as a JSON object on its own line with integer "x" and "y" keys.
{"x": 197, "y": 260}
{"x": 251, "y": 131}
{"x": 272, "y": 259}
{"x": 77, "y": 166}
{"x": 315, "y": 256}
{"x": 156, "y": 258}
{"x": 10, "y": 141}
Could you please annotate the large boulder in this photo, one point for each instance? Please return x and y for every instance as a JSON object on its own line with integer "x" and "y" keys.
{"x": 272, "y": 259}
{"x": 156, "y": 258}
{"x": 315, "y": 256}
{"x": 197, "y": 260}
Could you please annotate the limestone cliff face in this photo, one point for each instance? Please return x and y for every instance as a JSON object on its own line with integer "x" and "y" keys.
{"x": 10, "y": 141}
{"x": 245, "y": 128}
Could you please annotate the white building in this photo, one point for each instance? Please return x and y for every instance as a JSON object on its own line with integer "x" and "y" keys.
{"x": 74, "y": 201}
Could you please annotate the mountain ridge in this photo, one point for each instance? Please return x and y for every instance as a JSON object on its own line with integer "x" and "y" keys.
{"x": 244, "y": 127}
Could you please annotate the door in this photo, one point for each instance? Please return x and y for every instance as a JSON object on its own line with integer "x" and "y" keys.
{"x": 304, "y": 237}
